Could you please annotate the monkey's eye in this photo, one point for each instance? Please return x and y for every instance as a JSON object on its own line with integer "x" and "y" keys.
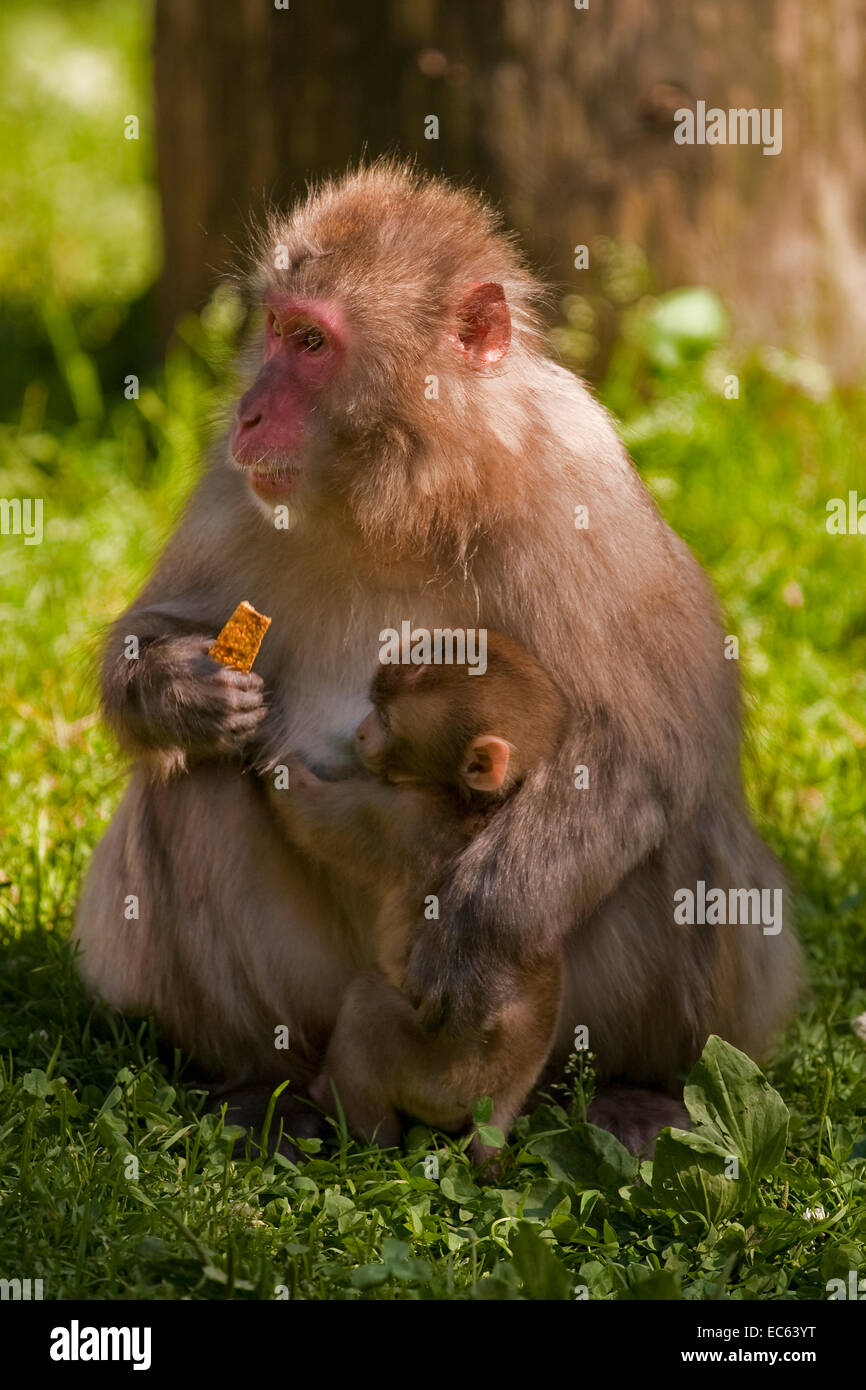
{"x": 312, "y": 339}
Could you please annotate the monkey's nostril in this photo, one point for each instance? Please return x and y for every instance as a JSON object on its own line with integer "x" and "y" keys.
{"x": 251, "y": 421}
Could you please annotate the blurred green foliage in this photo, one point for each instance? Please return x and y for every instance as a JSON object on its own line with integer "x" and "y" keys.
{"x": 79, "y": 251}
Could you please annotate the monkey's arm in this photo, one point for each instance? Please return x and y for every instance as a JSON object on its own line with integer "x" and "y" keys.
{"x": 162, "y": 694}
{"x": 537, "y": 869}
{"x": 362, "y": 828}
{"x": 168, "y": 698}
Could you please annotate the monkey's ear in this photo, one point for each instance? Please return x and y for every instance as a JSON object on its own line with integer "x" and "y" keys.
{"x": 483, "y": 332}
{"x": 486, "y": 764}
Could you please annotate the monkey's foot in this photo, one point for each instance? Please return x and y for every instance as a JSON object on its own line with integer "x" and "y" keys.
{"x": 635, "y": 1115}
{"x": 294, "y": 1117}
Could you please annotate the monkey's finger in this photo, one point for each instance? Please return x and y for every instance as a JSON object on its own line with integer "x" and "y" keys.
{"x": 197, "y": 648}
{"x": 197, "y": 652}
{"x": 430, "y": 1015}
{"x": 244, "y": 722}
{"x": 444, "y": 994}
{"x": 234, "y": 680}
{"x": 196, "y": 643}
{"x": 428, "y": 1006}
{"x": 232, "y": 740}
{"x": 236, "y": 700}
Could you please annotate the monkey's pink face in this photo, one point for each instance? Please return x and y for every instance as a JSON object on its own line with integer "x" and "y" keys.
{"x": 305, "y": 346}
{"x": 283, "y": 426}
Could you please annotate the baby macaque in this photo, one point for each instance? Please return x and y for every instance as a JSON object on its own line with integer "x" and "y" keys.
{"x": 445, "y": 749}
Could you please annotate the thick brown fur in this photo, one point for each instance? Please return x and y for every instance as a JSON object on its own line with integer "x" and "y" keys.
{"x": 454, "y": 511}
{"x": 395, "y": 836}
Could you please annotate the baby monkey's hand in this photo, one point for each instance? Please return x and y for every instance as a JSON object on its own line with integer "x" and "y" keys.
{"x": 289, "y": 780}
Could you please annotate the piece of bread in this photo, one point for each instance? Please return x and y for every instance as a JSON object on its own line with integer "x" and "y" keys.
{"x": 238, "y": 643}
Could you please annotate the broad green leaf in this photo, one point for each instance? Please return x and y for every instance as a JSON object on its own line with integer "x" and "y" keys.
{"x": 586, "y": 1157}
{"x": 456, "y": 1184}
{"x": 541, "y": 1273}
{"x": 490, "y": 1135}
{"x": 543, "y": 1198}
{"x": 731, "y": 1102}
{"x": 689, "y": 1174}
{"x": 655, "y": 1284}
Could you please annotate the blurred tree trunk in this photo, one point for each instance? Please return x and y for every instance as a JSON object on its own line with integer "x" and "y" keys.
{"x": 564, "y": 116}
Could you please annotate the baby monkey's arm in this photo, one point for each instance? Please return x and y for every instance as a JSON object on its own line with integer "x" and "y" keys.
{"x": 362, "y": 828}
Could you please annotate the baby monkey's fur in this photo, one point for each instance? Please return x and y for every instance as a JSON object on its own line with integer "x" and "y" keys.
{"x": 446, "y": 747}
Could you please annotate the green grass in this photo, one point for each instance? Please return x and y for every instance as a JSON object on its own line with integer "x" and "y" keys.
{"x": 82, "y": 1094}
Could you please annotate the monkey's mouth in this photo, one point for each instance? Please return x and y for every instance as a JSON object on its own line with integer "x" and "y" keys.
{"x": 270, "y": 481}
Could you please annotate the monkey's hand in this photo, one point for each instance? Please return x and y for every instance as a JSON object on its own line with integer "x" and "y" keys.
{"x": 292, "y": 789}
{"x": 450, "y": 982}
{"x": 290, "y": 783}
{"x": 460, "y": 970}
{"x": 363, "y": 830}
{"x": 177, "y": 697}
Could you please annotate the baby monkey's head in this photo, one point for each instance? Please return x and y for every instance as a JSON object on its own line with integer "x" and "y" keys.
{"x": 481, "y": 734}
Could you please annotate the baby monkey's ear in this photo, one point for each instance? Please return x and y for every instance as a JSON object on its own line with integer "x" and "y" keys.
{"x": 485, "y": 766}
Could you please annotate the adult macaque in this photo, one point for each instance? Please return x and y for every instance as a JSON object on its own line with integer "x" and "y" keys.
{"x": 404, "y": 415}
{"x": 446, "y": 750}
